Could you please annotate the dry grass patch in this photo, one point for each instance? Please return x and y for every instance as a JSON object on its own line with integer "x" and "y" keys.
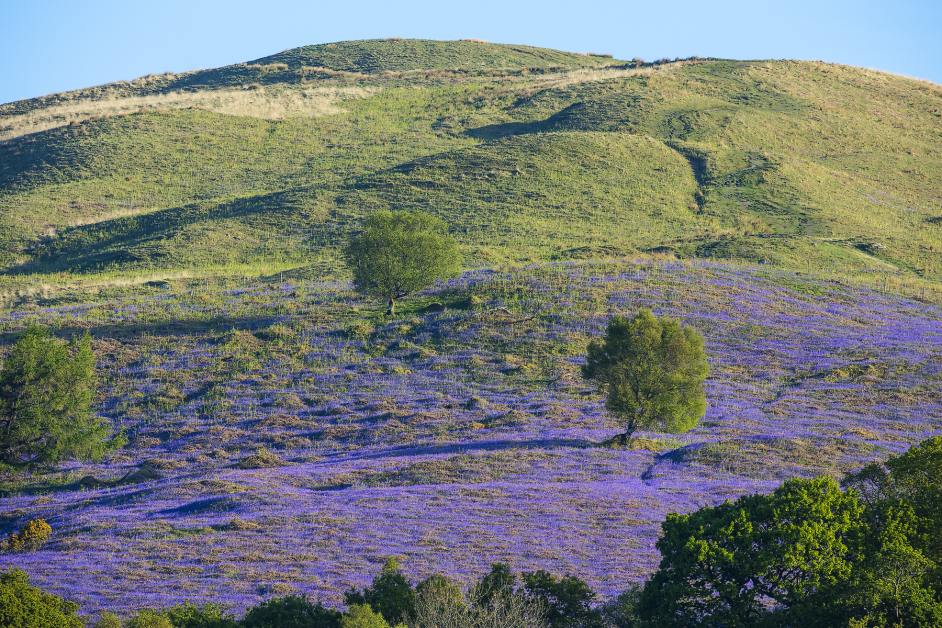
{"x": 269, "y": 103}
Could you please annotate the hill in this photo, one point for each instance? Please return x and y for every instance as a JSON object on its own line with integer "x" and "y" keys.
{"x": 286, "y": 436}
{"x": 805, "y": 165}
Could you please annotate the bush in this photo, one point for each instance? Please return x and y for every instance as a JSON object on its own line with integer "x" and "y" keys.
{"x": 440, "y": 603}
{"x": 390, "y": 594}
{"x": 362, "y": 616}
{"x": 108, "y": 620}
{"x": 26, "y": 606}
{"x": 148, "y": 618}
{"x": 398, "y": 253}
{"x": 499, "y": 581}
{"x": 46, "y": 393}
{"x": 33, "y": 535}
{"x": 293, "y": 611}
{"x": 622, "y": 612}
{"x": 189, "y": 615}
{"x": 652, "y": 370}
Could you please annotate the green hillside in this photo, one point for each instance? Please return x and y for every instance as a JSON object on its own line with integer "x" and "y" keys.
{"x": 529, "y": 154}
{"x": 383, "y": 55}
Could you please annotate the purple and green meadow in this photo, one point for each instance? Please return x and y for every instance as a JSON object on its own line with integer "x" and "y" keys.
{"x": 284, "y": 437}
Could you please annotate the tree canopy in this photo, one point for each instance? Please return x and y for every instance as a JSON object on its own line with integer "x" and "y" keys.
{"x": 398, "y": 253}
{"x": 809, "y": 554}
{"x": 652, "y": 370}
{"x": 47, "y": 387}
{"x": 26, "y": 606}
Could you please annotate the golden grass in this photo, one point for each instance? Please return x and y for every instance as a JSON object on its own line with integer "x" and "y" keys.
{"x": 270, "y": 103}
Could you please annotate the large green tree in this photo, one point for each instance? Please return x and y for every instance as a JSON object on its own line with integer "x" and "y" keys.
{"x": 652, "y": 370}
{"x": 901, "y": 582}
{"x": 398, "y": 253}
{"x": 47, "y": 387}
{"x": 761, "y": 560}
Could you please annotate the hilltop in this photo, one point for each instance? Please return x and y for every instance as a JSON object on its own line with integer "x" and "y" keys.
{"x": 529, "y": 154}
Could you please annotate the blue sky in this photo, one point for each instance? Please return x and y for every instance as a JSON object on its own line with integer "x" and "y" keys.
{"x": 54, "y": 45}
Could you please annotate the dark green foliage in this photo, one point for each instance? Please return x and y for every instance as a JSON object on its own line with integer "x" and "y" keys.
{"x": 622, "y": 612}
{"x": 566, "y": 600}
{"x": 652, "y": 370}
{"x": 390, "y": 594}
{"x": 46, "y": 393}
{"x": 901, "y": 581}
{"x": 895, "y": 585}
{"x": 499, "y": 581}
{"x": 292, "y": 611}
{"x": 398, "y": 253}
{"x": 731, "y": 564}
{"x": 25, "y": 606}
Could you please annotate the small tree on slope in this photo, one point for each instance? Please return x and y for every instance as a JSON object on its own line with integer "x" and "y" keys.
{"x": 398, "y": 253}
{"x": 652, "y": 370}
{"x": 46, "y": 392}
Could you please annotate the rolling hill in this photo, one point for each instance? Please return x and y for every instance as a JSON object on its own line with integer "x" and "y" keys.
{"x": 805, "y": 165}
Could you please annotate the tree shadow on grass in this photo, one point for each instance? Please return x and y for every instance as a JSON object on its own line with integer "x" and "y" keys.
{"x": 460, "y": 448}
{"x": 175, "y": 328}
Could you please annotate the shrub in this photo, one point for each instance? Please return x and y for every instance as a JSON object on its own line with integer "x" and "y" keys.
{"x": 46, "y": 393}
{"x": 499, "y": 581}
{"x": 622, "y": 612}
{"x": 494, "y": 602}
{"x": 148, "y": 618}
{"x": 26, "y": 606}
{"x": 189, "y": 615}
{"x": 108, "y": 620}
{"x": 440, "y": 603}
{"x": 567, "y": 600}
{"x": 362, "y": 616}
{"x": 33, "y": 535}
{"x": 511, "y": 609}
{"x": 398, "y": 253}
{"x": 390, "y": 594}
{"x": 293, "y": 611}
{"x": 652, "y": 370}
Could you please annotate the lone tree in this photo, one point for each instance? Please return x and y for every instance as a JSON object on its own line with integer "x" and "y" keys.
{"x": 398, "y": 253}
{"x": 46, "y": 392}
{"x": 652, "y": 370}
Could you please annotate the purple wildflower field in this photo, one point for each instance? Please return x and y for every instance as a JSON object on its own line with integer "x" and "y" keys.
{"x": 282, "y": 437}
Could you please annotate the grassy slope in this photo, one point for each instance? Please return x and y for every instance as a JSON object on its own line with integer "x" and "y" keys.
{"x": 806, "y": 165}
{"x": 382, "y": 55}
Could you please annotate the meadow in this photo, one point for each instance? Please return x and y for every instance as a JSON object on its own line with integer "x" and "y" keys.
{"x": 285, "y": 437}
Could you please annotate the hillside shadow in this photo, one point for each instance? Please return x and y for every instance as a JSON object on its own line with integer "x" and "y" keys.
{"x": 459, "y": 448}
{"x": 176, "y": 328}
{"x": 118, "y": 241}
{"x": 506, "y": 129}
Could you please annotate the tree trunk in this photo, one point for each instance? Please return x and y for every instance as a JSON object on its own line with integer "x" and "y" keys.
{"x": 391, "y": 307}
{"x": 625, "y": 439}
